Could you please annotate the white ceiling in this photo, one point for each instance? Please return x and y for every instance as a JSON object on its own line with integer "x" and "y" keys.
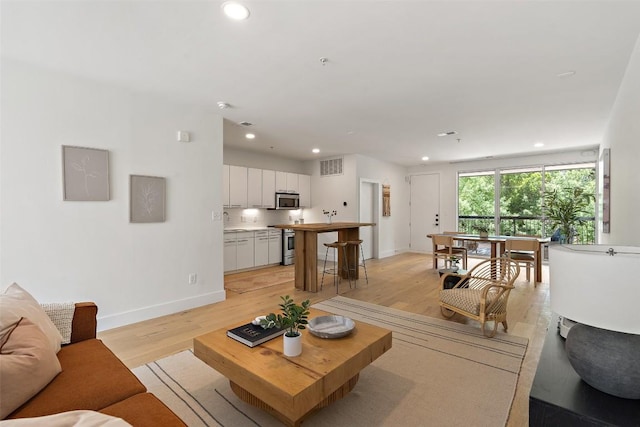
{"x": 398, "y": 72}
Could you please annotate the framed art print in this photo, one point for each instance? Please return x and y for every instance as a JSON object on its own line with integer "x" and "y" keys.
{"x": 147, "y": 195}
{"x": 85, "y": 174}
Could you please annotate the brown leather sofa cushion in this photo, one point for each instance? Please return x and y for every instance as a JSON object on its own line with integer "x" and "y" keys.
{"x": 144, "y": 410}
{"x": 92, "y": 378}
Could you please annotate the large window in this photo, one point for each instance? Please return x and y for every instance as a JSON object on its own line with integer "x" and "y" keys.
{"x": 518, "y": 208}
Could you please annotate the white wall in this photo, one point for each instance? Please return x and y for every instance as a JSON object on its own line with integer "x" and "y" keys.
{"x": 623, "y": 137}
{"x": 72, "y": 251}
{"x": 393, "y": 231}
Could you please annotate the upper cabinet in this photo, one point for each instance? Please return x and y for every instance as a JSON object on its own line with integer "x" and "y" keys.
{"x": 281, "y": 182}
{"x": 255, "y": 188}
{"x": 225, "y": 186}
{"x": 237, "y": 187}
{"x": 268, "y": 189}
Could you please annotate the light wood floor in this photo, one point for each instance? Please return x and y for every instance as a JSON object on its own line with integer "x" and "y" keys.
{"x": 405, "y": 281}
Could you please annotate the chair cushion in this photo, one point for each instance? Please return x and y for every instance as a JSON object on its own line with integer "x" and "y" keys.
{"x": 92, "y": 378}
{"x": 466, "y": 299}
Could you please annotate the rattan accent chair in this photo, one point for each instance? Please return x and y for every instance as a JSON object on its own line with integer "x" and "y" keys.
{"x": 482, "y": 294}
{"x": 444, "y": 247}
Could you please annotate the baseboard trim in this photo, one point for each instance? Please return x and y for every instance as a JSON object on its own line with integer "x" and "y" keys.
{"x": 145, "y": 313}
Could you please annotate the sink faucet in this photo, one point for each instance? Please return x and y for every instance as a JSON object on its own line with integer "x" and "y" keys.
{"x": 225, "y": 215}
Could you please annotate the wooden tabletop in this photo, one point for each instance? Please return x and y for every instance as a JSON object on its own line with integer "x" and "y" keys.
{"x": 293, "y": 385}
{"x": 323, "y": 226}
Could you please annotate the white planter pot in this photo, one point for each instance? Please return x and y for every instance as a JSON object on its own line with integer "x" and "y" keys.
{"x": 292, "y": 345}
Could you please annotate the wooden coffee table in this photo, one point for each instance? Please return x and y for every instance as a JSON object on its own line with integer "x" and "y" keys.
{"x": 291, "y": 388}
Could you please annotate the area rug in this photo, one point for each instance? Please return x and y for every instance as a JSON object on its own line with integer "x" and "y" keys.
{"x": 437, "y": 373}
{"x": 259, "y": 281}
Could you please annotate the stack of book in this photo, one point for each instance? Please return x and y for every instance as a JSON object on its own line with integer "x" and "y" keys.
{"x": 253, "y": 335}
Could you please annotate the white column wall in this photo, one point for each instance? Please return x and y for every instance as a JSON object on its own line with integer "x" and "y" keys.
{"x": 75, "y": 251}
{"x": 623, "y": 137}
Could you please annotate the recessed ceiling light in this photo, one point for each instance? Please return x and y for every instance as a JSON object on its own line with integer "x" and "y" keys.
{"x": 250, "y": 136}
{"x": 235, "y": 10}
{"x": 538, "y": 144}
{"x": 222, "y": 105}
{"x": 315, "y": 150}
{"x": 569, "y": 73}
{"x": 451, "y": 132}
{"x": 425, "y": 158}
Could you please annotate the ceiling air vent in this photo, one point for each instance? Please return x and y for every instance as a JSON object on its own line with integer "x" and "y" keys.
{"x": 331, "y": 167}
{"x": 246, "y": 124}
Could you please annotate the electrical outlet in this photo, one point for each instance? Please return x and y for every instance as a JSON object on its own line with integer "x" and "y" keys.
{"x": 243, "y": 218}
{"x": 216, "y": 216}
{"x": 255, "y": 219}
{"x": 193, "y": 278}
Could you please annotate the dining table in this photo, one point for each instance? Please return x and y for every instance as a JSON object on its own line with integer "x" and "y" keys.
{"x": 306, "y": 250}
{"x": 497, "y": 244}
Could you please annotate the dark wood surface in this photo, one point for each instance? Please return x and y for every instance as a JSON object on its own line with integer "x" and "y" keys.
{"x": 306, "y": 250}
{"x": 323, "y": 227}
{"x": 559, "y": 397}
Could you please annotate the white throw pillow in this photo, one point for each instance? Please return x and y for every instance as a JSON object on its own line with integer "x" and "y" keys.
{"x": 66, "y": 419}
{"x": 16, "y": 303}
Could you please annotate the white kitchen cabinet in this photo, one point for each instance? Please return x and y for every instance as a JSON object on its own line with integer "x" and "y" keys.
{"x": 275, "y": 246}
{"x": 304, "y": 183}
{"x": 254, "y": 188}
{"x": 292, "y": 183}
{"x": 230, "y": 253}
{"x": 225, "y": 186}
{"x": 237, "y": 187}
{"x": 281, "y": 182}
{"x": 261, "y": 252}
{"x": 268, "y": 188}
{"x": 245, "y": 249}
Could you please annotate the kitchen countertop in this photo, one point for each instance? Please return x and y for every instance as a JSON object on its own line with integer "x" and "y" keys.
{"x": 322, "y": 226}
{"x": 242, "y": 229}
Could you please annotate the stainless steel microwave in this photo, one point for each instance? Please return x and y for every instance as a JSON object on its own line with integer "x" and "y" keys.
{"x": 287, "y": 201}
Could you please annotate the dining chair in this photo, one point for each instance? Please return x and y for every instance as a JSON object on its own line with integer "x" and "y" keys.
{"x": 470, "y": 246}
{"x": 523, "y": 251}
{"x": 444, "y": 247}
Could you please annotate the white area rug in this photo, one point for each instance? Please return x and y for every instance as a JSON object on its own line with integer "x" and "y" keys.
{"x": 438, "y": 373}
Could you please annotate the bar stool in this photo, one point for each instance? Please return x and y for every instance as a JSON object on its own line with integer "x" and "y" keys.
{"x": 355, "y": 244}
{"x": 336, "y": 274}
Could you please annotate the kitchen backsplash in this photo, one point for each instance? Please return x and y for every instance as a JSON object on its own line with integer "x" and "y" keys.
{"x": 239, "y": 218}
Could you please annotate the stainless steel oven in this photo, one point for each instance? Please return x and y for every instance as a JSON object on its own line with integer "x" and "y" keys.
{"x": 288, "y": 248}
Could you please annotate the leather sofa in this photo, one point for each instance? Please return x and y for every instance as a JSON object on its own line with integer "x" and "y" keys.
{"x": 93, "y": 378}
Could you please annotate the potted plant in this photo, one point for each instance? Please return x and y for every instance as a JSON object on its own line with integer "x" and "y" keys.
{"x": 293, "y": 319}
{"x": 565, "y": 209}
{"x": 454, "y": 262}
{"x": 482, "y": 229}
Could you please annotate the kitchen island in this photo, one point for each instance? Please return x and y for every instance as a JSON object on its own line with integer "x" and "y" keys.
{"x": 306, "y": 249}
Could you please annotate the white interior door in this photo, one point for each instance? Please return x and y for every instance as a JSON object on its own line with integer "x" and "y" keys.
{"x": 425, "y": 210}
{"x": 368, "y": 193}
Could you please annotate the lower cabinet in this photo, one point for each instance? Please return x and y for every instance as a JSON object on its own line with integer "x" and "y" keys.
{"x": 275, "y": 246}
{"x": 245, "y": 250}
{"x": 261, "y": 253}
{"x": 248, "y": 249}
{"x": 230, "y": 253}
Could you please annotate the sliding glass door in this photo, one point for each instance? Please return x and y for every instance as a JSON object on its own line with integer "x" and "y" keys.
{"x": 510, "y": 201}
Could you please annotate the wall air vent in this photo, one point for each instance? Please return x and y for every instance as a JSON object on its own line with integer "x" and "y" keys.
{"x": 331, "y": 167}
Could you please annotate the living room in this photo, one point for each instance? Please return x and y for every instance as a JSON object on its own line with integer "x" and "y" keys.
{"x": 89, "y": 251}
